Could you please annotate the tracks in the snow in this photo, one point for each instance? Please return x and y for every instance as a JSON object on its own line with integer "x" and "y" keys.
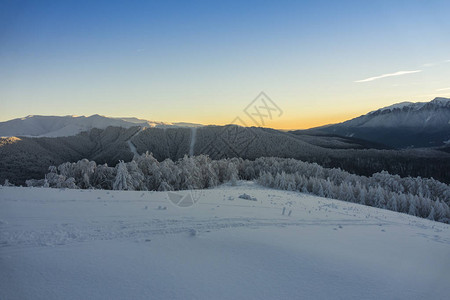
{"x": 61, "y": 234}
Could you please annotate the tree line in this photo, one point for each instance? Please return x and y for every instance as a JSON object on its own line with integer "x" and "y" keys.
{"x": 422, "y": 197}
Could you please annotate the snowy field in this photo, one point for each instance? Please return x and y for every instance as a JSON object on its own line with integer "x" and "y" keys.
{"x": 92, "y": 244}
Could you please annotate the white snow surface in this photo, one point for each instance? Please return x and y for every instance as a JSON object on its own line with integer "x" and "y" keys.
{"x": 94, "y": 244}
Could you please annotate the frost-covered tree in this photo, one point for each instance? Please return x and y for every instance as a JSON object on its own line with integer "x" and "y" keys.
{"x": 232, "y": 173}
{"x": 412, "y": 210}
{"x": 171, "y": 174}
{"x": 432, "y": 215}
{"x": 151, "y": 170}
{"x": 379, "y": 198}
{"x": 53, "y": 179}
{"x": 69, "y": 183}
{"x": 137, "y": 177}
{"x": 123, "y": 179}
{"x": 82, "y": 171}
{"x": 402, "y": 202}
{"x": 346, "y": 192}
{"x": 103, "y": 177}
{"x": 441, "y": 210}
{"x": 392, "y": 204}
{"x": 362, "y": 195}
{"x": 86, "y": 169}
{"x": 190, "y": 174}
{"x": 317, "y": 188}
{"x": 208, "y": 176}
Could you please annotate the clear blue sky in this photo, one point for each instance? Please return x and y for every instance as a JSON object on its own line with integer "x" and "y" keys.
{"x": 199, "y": 61}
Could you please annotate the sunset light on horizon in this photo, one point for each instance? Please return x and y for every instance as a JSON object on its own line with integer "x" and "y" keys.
{"x": 201, "y": 62}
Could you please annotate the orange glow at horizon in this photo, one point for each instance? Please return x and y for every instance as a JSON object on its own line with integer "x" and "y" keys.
{"x": 311, "y": 122}
{"x": 301, "y": 122}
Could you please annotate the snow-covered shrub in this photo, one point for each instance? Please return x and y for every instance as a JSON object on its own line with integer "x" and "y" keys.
{"x": 7, "y": 183}
{"x": 35, "y": 182}
{"x": 247, "y": 197}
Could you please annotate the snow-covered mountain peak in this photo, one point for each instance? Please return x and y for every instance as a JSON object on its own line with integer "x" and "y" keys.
{"x": 438, "y": 102}
{"x": 441, "y": 101}
{"x": 405, "y": 124}
{"x": 395, "y": 106}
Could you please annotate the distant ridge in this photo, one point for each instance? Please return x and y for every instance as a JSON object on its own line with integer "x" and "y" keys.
{"x": 58, "y": 126}
{"x": 401, "y": 125}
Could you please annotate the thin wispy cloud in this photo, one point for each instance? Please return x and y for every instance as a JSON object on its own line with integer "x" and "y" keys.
{"x": 399, "y": 73}
{"x": 428, "y": 65}
{"x": 444, "y": 89}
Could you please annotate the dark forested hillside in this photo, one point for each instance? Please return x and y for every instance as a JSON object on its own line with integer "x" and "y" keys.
{"x": 24, "y": 158}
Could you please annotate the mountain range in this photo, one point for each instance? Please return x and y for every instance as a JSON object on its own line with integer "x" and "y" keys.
{"x": 57, "y": 126}
{"x": 363, "y": 146}
{"x": 402, "y": 125}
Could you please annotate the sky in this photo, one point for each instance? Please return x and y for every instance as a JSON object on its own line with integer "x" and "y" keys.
{"x": 204, "y": 62}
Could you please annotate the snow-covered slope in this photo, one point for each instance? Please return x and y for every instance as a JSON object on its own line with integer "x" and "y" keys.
{"x": 407, "y": 114}
{"x": 406, "y": 124}
{"x": 54, "y": 126}
{"x": 92, "y": 244}
{"x": 398, "y": 106}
